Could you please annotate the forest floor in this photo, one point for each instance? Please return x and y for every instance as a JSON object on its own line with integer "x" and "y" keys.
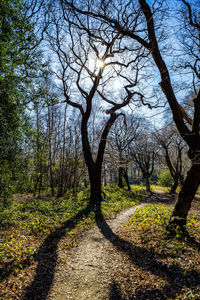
{"x": 110, "y": 263}
{"x": 125, "y": 257}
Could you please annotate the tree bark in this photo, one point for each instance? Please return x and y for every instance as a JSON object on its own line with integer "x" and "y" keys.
{"x": 95, "y": 167}
{"x": 40, "y": 182}
{"x": 95, "y": 184}
{"x": 174, "y": 186}
{"x": 105, "y": 177}
{"x": 50, "y": 126}
{"x": 192, "y": 180}
{"x": 147, "y": 183}
{"x": 120, "y": 174}
{"x": 181, "y": 180}
{"x": 62, "y": 159}
{"x": 125, "y": 174}
{"x": 75, "y": 181}
{"x": 186, "y": 196}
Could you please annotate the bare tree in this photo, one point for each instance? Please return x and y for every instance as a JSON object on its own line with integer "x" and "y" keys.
{"x": 120, "y": 17}
{"x": 39, "y": 150}
{"x": 77, "y": 46}
{"x": 143, "y": 154}
{"x": 122, "y": 134}
{"x": 189, "y": 58}
{"x": 62, "y": 156}
{"x": 173, "y": 151}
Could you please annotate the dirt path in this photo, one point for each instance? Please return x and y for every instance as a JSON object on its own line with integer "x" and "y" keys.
{"x": 87, "y": 272}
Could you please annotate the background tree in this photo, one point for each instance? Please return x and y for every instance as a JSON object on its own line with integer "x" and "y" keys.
{"x": 143, "y": 154}
{"x": 121, "y": 136}
{"x": 173, "y": 152}
{"x": 18, "y": 58}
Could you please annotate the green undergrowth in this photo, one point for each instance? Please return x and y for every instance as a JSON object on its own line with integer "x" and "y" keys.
{"x": 175, "y": 255}
{"x": 171, "y": 264}
{"x": 26, "y": 223}
{"x": 116, "y": 199}
{"x": 159, "y": 187}
{"x": 153, "y": 219}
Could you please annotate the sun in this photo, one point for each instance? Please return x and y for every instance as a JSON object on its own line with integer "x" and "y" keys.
{"x": 100, "y": 63}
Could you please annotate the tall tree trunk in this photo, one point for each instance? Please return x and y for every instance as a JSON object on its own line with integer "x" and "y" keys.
{"x": 174, "y": 186}
{"x": 85, "y": 176}
{"x": 76, "y": 164}
{"x": 95, "y": 167}
{"x": 125, "y": 174}
{"x": 36, "y": 180}
{"x": 75, "y": 181}
{"x": 62, "y": 158}
{"x": 105, "y": 176}
{"x": 181, "y": 180}
{"x": 38, "y": 154}
{"x": 85, "y": 182}
{"x": 120, "y": 174}
{"x": 186, "y": 196}
{"x": 147, "y": 183}
{"x": 40, "y": 182}
{"x": 95, "y": 184}
{"x": 50, "y": 126}
{"x": 192, "y": 138}
{"x": 120, "y": 171}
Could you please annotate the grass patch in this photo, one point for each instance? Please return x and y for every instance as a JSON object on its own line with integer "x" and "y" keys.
{"x": 159, "y": 187}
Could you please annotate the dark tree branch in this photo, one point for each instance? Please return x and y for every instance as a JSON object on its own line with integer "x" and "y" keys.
{"x": 196, "y": 121}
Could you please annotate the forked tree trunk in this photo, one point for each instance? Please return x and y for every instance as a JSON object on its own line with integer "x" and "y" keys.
{"x": 186, "y": 196}
{"x": 95, "y": 167}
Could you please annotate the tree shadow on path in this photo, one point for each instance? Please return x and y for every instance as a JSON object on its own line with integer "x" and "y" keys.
{"x": 47, "y": 258}
{"x": 175, "y": 276}
{"x": 160, "y": 196}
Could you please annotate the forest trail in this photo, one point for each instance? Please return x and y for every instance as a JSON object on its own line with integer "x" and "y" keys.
{"x": 87, "y": 272}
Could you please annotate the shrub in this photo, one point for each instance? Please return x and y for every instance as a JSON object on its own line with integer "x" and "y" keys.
{"x": 165, "y": 179}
